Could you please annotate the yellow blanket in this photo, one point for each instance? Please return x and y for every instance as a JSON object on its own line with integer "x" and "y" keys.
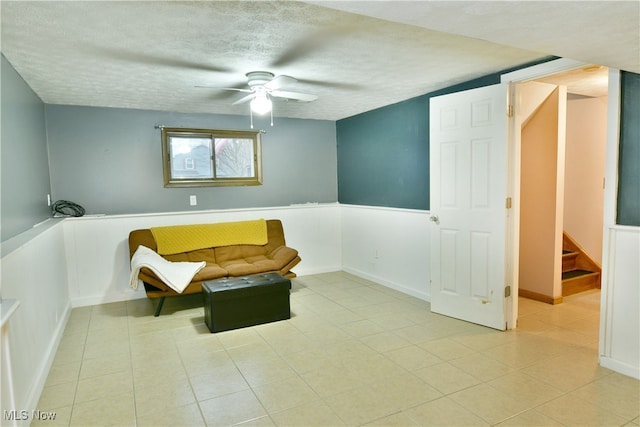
{"x": 184, "y": 238}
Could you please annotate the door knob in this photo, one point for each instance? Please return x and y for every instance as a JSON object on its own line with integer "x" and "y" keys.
{"x": 435, "y": 219}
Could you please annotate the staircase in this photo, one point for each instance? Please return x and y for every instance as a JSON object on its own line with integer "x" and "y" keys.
{"x": 579, "y": 271}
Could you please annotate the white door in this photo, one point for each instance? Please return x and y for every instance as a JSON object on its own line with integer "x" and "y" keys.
{"x": 468, "y": 186}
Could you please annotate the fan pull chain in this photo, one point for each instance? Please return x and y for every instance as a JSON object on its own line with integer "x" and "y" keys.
{"x": 271, "y": 117}
{"x": 251, "y": 115}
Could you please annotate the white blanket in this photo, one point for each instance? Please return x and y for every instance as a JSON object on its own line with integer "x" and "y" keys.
{"x": 176, "y": 275}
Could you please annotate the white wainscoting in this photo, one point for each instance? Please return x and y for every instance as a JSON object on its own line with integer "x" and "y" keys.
{"x": 97, "y": 250}
{"x": 619, "y": 318}
{"x": 388, "y": 246}
{"x": 34, "y": 271}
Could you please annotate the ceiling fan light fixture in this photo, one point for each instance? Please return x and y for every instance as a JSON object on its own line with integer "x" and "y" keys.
{"x": 261, "y": 104}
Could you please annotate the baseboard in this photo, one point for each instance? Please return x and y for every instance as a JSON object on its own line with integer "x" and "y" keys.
{"x": 105, "y": 299}
{"x": 45, "y": 367}
{"x": 318, "y": 270}
{"x": 620, "y": 367}
{"x": 539, "y": 297}
{"x": 421, "y": 295}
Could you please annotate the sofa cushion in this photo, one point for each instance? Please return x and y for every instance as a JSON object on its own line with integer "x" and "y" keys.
{"x": 250, "y": 265}
{"x": 245, "y": 265}
{"x": 206, "y": 255}
{"x": 232, "y": 253}
{"x": 210, "y": 272}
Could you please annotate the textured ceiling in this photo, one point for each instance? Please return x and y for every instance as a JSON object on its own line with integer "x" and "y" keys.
{"x": 597, "y": 32}
{"x": 592, "y": 81}
{"x": 151, "y": 55}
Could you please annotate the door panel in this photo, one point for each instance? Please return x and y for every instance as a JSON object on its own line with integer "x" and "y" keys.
{"x": 468, "y": 189}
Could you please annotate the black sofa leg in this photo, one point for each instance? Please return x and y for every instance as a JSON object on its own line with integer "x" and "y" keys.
{"x": 159, "y": 307}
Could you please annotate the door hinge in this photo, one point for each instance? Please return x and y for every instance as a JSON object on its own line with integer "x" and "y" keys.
{"x": 508, "y": 203}
{"x": 507, "y": 291}
{"x": 510, "y": 111}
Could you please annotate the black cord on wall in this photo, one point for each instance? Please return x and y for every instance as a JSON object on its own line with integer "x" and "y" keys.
{"x": 67, "y": 208}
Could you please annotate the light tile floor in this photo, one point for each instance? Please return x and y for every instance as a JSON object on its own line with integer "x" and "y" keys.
{"x": 353, "y": 353}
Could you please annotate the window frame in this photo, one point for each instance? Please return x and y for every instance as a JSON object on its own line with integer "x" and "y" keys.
{"x": 213, "y": 181}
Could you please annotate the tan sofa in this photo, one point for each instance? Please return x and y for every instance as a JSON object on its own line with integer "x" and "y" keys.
{"x": 221, "y": 262}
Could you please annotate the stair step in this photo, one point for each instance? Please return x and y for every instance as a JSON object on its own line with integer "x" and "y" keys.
{"x": 569, "y": 260}
{"x": 574, "y": 281}
{"x": 570, "y": 274}
{"x": 579, "y": 271}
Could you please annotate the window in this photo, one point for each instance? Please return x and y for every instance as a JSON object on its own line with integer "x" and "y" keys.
{"x": 207, "y": 157}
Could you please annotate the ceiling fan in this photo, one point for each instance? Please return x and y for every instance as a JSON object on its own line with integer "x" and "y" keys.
{"x": 263, "y": 86}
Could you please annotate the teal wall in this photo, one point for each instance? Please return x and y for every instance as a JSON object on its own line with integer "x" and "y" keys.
{"x": 23, "y": 148}
{"x": 383, "y": 154}
{"x": 629, "y": 158}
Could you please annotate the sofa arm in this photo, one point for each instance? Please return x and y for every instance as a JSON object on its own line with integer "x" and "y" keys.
{"x": 282, "y": 255}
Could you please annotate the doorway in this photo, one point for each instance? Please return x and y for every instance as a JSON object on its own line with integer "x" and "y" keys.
{"x": 575, "y": 210}
{"x": 563, "y": 147}
{"x": 585, "y": 153}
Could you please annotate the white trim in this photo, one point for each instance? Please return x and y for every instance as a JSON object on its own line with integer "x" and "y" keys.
{"x": 612, "y": 150}
{"x": 106, "y": 299}
{"x": 513, "y": 187}
{"x": 610, "y": 201}
{"x": 425, "y": 296}
{"x": 43, "y": 372}
{"x": 17, "y": 242}
{"x": 512, "y": 256}
{"x": 621, "y": 367}
{"x": 386, "y": 208}
{"x": 540, "y": 70}
{"x": 200, "y": 212}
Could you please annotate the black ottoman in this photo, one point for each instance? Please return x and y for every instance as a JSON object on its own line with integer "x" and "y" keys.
{"x": 245, "y": 301}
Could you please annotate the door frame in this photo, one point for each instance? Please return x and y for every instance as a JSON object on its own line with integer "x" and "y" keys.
{"x": 513, "y": 179}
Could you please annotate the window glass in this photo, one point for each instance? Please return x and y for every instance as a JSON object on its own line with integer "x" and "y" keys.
{"x": 209, "y": 157}
{"x": 234, "y": 157}
{"x": 190, "y": 157}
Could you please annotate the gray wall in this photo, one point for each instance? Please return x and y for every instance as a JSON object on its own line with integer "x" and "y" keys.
{"x": 110, "y": 161}
{"x": 23, "y": 148}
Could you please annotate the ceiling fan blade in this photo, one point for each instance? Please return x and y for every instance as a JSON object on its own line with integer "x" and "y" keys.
{"x": 244, "y": 99}
{"x": 332, "y": 84}
{"x": 280, "y": 81}
{"x": 316, "y": 40}
{"x": 155, "y": 60}
{"x": 303, "y": 97}
{"x": 224, "y": 88}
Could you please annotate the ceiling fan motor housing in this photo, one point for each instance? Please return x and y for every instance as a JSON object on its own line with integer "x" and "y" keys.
{"x": 259, "y": 78}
